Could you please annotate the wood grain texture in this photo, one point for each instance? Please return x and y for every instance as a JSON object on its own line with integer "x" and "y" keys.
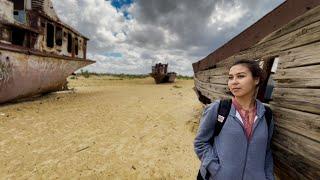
{"x": 298, "y": 77}
{"x": 217, "y": 88}
{"x": 301, "y": 56}
{"x": 302, "y": 123}
{"x": 293, "y": 165}
{"x": 223, "y": 79}
{"x": 294, "y": 142}
{"x": 297, "y": 38}
{"x": 309, "y": 17}
{"x": 307, "y": 100}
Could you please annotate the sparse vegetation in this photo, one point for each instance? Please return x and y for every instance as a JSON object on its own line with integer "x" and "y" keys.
{"x": 121, "y": 76}
{"x": 129, "y": 76}
{"x": 184, "y": 77}
{"x": 85, "y": 73}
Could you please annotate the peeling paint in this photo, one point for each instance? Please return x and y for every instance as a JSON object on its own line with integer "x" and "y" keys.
{"x": 37, "y": 51}
{"x": 5, "y": 70}
{"x": 24, "y": 75}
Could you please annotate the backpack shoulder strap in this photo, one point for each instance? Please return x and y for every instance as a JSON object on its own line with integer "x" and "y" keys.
{"x": 223, "y": 112}
{"x": 268, "y": 115}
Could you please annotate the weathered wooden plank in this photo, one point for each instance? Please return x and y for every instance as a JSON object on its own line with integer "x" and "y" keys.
{"x": 226, "y": 63}
{"x": 294, "y": 164}
{"x": 305, "y": 35}
{"x": 309, "y": 17}
{"x": 309, "y": 72}
{"x": 294, "y": 39}
{"x": 299, "y": 77}
{"x": 301, "y": 145}
{"x": 212, "y": 72}
{"x": 201, "y": 77}
{"x": 198, "y": 74}
{"x": 284, "y": 171}
{"x": 297, "y": 83}
{"x": 301, "y": 56}
{"x": 299, "y": 99}
{"x": 219, "y": 79}
{"x": 211, "y": 95}
{"x": 216, "y": 71}
{"x": 306, "y": 124}
{"x": 221, "y": 89}
{"x": 213, "y": 79}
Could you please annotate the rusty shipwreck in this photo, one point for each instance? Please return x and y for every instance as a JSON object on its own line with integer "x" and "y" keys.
{"x": 37, "y": 51}
{"x": 161, "y": 75}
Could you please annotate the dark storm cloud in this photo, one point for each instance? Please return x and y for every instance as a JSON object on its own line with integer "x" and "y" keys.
{"x": 189, "y": 20}
{"x": 178, "y": 32}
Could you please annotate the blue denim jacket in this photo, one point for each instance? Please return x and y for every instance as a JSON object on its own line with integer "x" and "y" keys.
{"x": 232, "y": 157}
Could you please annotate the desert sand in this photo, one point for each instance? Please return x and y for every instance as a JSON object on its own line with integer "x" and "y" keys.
{"x": 105, "y": 128}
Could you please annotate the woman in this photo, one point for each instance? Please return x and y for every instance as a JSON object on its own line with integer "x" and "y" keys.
{"x": 241, "y": 150}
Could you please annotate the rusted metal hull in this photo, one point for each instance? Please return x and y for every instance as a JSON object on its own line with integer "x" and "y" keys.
{"x": 24, "y": 75}
{"x": 171, "y": 77}
{"x": 163, "y": 78}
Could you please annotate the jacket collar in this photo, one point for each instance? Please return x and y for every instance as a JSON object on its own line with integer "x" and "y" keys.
{"x": 260, "y": 109}
{"x": 260, "y": 112}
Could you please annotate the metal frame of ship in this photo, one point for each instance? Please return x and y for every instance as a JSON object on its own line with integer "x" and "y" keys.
{"x": 286, "y": 42}
{"x": 160, "y": 74}
{"x": 37, "y": 51}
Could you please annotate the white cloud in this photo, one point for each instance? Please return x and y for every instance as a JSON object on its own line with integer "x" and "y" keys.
{"x": 167, "y": 31}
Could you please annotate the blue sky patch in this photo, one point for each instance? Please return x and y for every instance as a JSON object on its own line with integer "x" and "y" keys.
{"x": 113, "y": 54}
{"x": 118, "y": 4}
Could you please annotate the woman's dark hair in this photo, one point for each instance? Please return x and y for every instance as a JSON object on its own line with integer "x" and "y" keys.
{"x": 254, "y": 68}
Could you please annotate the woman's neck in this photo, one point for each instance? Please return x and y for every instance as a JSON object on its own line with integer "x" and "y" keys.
{"x": 246, "y": 102}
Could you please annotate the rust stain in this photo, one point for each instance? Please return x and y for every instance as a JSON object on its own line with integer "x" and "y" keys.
{"x": 5, "y": 70}
{"x": 36, "y": 53}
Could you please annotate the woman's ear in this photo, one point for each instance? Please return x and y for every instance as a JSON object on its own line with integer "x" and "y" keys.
{"x": 256, "y": 81}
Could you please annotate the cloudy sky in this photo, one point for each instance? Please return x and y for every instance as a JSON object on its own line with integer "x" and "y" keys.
{"x": 128, "y": 36}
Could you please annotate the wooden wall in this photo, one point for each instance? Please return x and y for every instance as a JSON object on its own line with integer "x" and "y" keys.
{"x": 296, "y": 96}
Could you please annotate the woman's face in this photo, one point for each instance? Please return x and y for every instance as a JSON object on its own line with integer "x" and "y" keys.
{"x": 241, "y": 83}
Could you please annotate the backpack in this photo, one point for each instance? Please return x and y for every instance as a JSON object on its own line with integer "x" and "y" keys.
{"x": 223, "y": 112}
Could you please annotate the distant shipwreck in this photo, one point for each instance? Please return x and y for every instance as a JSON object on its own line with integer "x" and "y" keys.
{"x": 37, "y": 51}
{"x": 160, "y": 74}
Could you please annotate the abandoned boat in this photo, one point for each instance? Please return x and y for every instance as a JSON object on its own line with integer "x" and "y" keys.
{"x": 160, "y": 74}
{"x": 286, "y": 42}
{"x": 37, "y": 51}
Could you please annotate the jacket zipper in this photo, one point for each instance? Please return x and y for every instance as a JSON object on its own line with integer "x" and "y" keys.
{"x": 245, "y": 162}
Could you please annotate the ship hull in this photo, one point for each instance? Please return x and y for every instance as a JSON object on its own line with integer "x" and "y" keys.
{"x": 24, "y": 75}
{"x": 171, "y": 77}
{"x": 164, "y": 78}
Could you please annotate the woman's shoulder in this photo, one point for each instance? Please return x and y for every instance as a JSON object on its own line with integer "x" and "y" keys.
{"x": 213, "y": 106}
{"x": 213, "y": 103}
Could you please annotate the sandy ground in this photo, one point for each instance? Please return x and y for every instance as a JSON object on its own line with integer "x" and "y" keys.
{"x": 107, "y": 128}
